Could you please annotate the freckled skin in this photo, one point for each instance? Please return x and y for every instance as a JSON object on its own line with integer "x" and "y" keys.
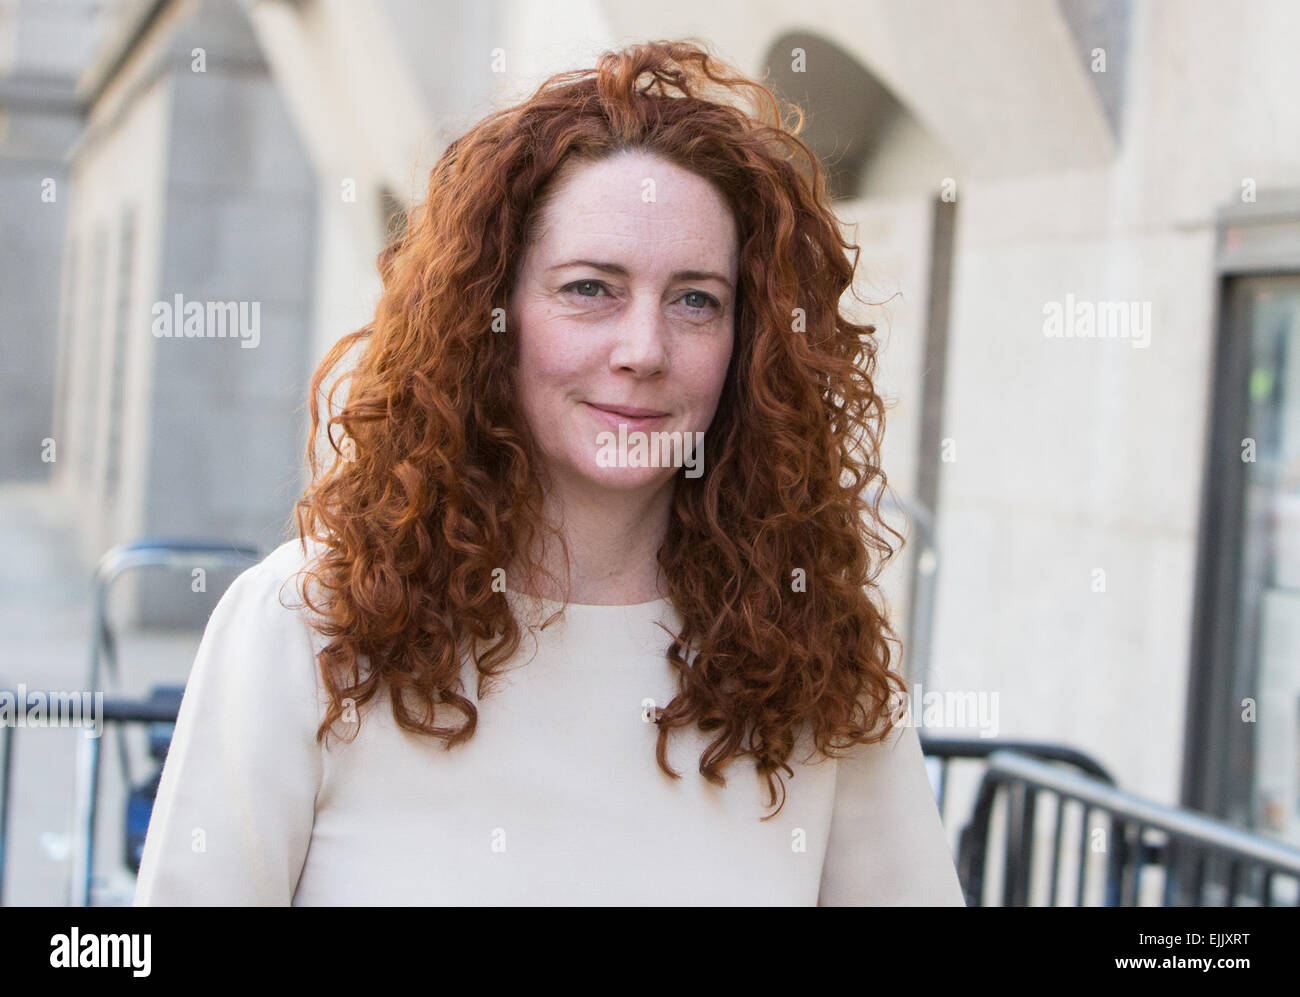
{"x": 646, "y": 339}
{"x": 640, "y": 340}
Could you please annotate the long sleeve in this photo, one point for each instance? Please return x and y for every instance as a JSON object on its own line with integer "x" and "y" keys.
{"x": 887, "y": 845}
{"x": 236, "y": 803}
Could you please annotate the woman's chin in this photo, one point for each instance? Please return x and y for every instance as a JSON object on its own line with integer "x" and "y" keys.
{"x": 628, "y": 478}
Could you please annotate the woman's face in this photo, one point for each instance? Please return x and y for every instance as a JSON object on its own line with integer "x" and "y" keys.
{"x": 625, "y": 300}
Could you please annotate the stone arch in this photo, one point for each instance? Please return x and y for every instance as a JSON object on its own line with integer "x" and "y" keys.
{"x": 869, "y": 141}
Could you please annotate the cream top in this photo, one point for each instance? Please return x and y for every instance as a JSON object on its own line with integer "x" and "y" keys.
{"x": 555, "y": 800}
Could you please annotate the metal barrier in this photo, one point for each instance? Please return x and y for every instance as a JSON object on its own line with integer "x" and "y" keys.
{"x": 180, "y": 554}
{"x": 948, "y": 749}
{"x": 1186, "y": 854}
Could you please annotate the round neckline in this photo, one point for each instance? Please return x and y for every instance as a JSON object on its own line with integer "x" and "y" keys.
{"x": 555, "y": 603}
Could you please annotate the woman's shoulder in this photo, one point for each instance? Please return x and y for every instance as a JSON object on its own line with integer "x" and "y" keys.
{"x": 258, "y": 653}
{"x": 286, "y": 562}
{"x": 292, "y": 555}
{"x": 272, "y": 591}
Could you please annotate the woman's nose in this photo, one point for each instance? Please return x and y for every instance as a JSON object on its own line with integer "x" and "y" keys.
{"x": 641, "y": 339}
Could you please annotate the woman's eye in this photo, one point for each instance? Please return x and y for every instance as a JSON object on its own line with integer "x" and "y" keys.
{"x": 584, "y": 283}
{"x": 706, "y": 300}
{"x": 696, "y": 301}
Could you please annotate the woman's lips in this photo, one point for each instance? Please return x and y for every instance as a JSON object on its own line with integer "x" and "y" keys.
{"x": 616, "y": 419}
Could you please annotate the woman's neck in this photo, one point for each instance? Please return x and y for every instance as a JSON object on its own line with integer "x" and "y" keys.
{"x": 613, "y": 540}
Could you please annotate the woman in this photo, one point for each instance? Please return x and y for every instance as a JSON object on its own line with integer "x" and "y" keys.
{"x": 607, "y": 402}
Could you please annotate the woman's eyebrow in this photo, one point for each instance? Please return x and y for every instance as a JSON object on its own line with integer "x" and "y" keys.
{"x": 622, "y": 271}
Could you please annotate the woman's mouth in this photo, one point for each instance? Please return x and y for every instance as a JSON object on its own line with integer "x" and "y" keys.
{"x": 633, "y": 418}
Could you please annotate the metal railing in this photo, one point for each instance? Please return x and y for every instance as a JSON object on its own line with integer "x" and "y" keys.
{"x": 1199, "y": 859}
{"x": 949, "y": 749}
{"x": 182, "y": 554}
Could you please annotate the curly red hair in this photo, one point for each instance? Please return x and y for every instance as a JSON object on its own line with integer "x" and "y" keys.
{"x": 438, "y": 487}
